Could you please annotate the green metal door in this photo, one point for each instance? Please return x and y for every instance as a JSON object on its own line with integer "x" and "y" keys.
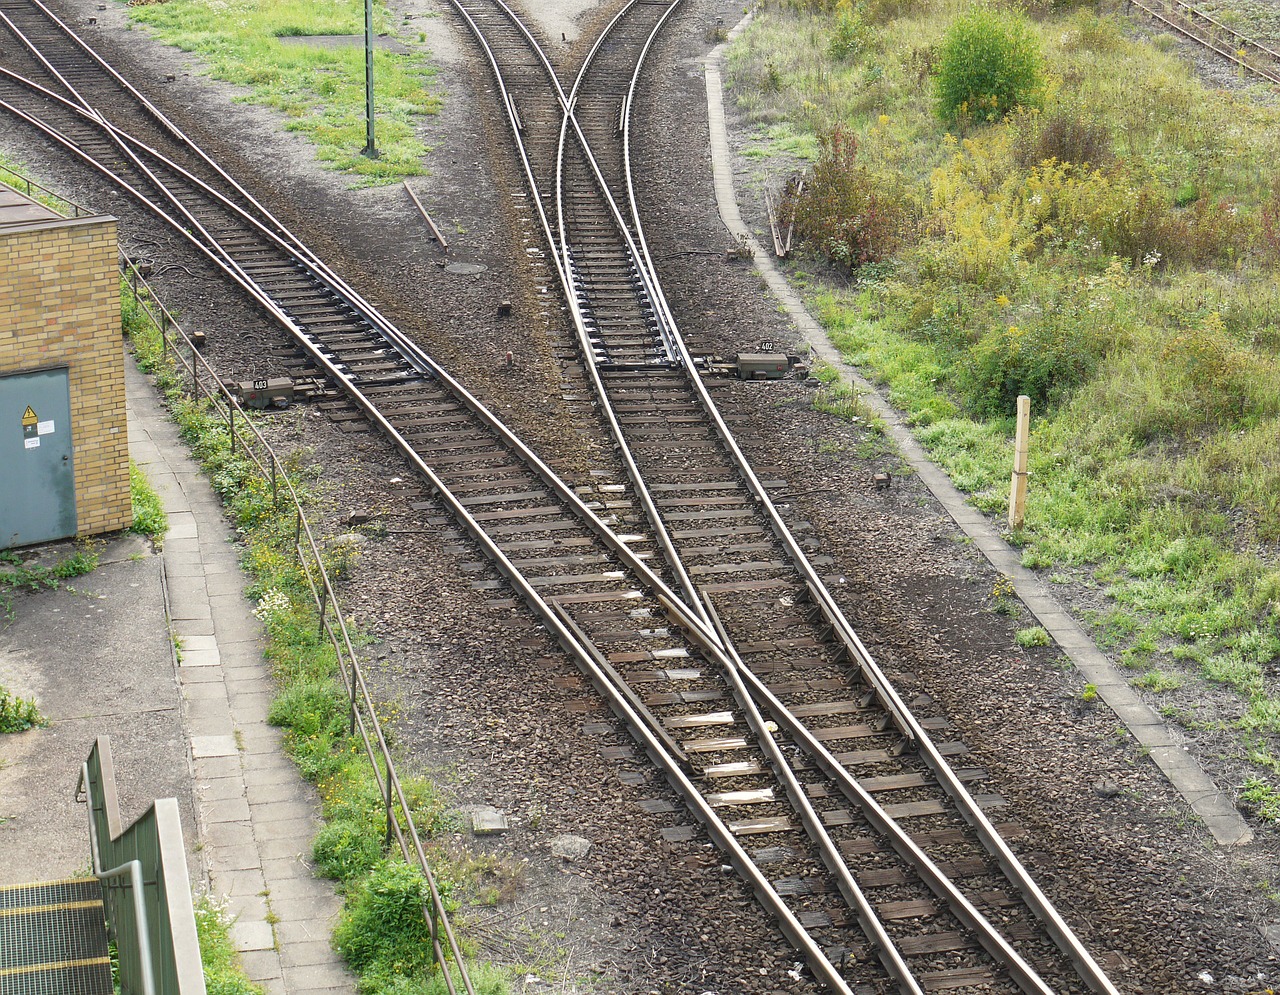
{"x": 37, "y": 478}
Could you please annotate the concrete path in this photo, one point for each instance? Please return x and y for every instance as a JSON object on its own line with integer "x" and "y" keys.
{"x": 1148, "y": 728}
{"x": 255, "y": 816}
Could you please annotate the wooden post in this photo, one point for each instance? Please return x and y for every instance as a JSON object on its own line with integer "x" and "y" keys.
{"x": 1018, "y": 483}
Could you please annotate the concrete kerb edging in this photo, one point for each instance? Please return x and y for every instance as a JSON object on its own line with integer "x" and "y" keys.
{"x": 1217, "y": 811}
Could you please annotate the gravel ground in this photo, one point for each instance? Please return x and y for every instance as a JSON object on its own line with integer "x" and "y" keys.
{"x": 496, "y": 714}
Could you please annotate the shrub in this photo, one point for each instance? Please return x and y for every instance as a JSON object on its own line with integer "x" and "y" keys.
{"x": 1046, "y": 357}
{"x": 989, "y": 63}
{"x": 1035, "y": 636}
{"x": 346, "y": 849}
{"x": 1065, "y": 136}
{"x": 840, "y": 211}
{"x": 383, "y": 928}
{"x": 850, "y": 34}
{"x": 1223, "y": 378}
{"x": 1090, "y": 32}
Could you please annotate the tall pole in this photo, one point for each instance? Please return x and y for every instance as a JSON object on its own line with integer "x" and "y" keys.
{"x": 370, "y": 148}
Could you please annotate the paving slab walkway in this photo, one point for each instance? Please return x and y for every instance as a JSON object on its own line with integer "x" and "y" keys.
{"x": 255, "y": 816}
{"x": 1217, "y": 810}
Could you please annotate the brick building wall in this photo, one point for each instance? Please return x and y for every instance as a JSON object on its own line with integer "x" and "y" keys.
{"x": 60, "y": 306}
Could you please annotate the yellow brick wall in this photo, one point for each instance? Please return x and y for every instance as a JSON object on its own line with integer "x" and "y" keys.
{"x": 60, "y": 306}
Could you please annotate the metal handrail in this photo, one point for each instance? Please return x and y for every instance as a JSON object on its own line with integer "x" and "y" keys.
{"x": 245, "y": 437}
{"x": 132, "y": 868}
{"x": 28, "y": 185}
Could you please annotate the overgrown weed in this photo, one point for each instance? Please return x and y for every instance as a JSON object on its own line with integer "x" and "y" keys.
{"x": 1113, "y": 255}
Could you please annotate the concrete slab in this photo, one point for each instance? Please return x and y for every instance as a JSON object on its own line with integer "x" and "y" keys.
{"x": 205, "y": 747}
{"x": 199, "y": 658}
{"x": 238, "y": 882}
{"x": 211, "y": 767}
{"x": 261, "y": 965}
{"x": 220, "y": 789}
{"x": 317, "y": 952}
{"x": 225, "y": 810}
{"x": 252, "y": 936}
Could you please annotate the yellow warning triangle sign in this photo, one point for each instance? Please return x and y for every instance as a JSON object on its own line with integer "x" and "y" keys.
{"x": 29, "y": 417}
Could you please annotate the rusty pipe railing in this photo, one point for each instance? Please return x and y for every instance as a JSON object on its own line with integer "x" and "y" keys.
{"x": 178, "y": 349}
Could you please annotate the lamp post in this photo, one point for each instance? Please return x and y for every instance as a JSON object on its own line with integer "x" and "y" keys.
{"x": 370, "y": 148}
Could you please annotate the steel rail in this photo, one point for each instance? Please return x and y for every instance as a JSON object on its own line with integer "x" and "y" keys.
{"x": 569, "y": 278}
{"x": 1063, "y": 936}
{"x": 1270, "y": 75}
{"x": 569, "y": 641}
{"x": 116, "y": 135}
{"x": 405, "y": 347}
{"x": 266, "y": 303}
{"x": 641, "y": 489}
{"x": 550, "y": 617}
{"x": 298, "y": 246}
{"x": 352, "y": 681}
{"x": 942, "y": 886}
{"x": 156, "y": 115}
{"x": 714, "y": 647}
{"x": 886, "y": 950}
{"x": 720, "y": 833}
{"x": 471, "y": 526}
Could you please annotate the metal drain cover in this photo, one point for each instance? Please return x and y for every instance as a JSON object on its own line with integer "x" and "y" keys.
{"x": 466, "y": 269}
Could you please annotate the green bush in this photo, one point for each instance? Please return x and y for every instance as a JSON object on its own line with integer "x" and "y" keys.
{"x": 851, "y": 32}
{"x": 346, "y": 849}
{"x": 1044, "y": 360}
{"x": 149, "y": 518}
{"x": 989, "y": 63}
{"x": 1035, "y": 636}
{"x": 382, "y": 929}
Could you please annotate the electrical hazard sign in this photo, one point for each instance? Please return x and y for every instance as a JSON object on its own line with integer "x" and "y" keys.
{"x": 33, "y": 428}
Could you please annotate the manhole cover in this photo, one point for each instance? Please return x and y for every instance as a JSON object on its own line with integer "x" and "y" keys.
{"x": 466, "y": 269}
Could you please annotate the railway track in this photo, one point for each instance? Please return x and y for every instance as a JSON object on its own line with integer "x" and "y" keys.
{"x": 1204, "y": 29}
{"x": 722, "y": 529}
{"x": 693, "y": 610}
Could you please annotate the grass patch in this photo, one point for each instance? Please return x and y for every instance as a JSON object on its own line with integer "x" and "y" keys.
{"x": 149, "y": 518}
{"x": 1262, "y": 798}
{"x": 1115, "y": 256}
{"x": 1034, "y": 636}
{"x": 222, "y": 972}
{"x": 319, "y": 89}
{"x": 17, "y": 576}
{"x": 1158, "y": 681}
{"x": 377, "y": 932}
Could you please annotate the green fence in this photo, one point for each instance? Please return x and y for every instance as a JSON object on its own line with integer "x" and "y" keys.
{"x": 146, "y": 891}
